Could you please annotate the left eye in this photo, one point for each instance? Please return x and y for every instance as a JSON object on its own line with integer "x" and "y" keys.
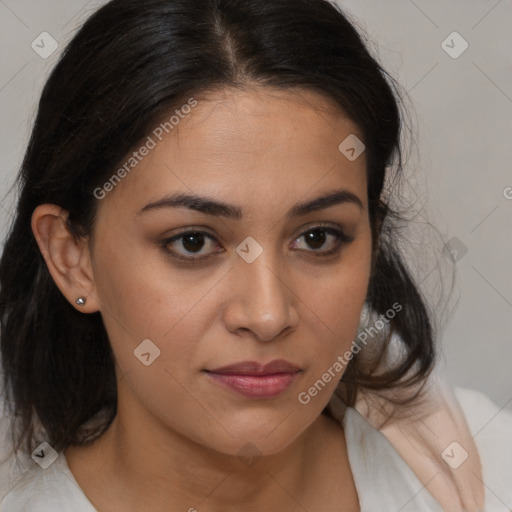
{"x": 316, "y": 238}
{"x": 192, "y": 242}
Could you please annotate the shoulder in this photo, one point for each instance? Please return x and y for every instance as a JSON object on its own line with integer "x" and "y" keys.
{"x": 491, "y": 428}
{"x": 46, "y": 490}
{"x": 383, "y": 479}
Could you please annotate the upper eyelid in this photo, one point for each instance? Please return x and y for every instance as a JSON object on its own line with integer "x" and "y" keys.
{"x": 303, "y": 230}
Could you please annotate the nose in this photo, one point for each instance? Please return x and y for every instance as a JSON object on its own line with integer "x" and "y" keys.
{"x": 262, "y": 301}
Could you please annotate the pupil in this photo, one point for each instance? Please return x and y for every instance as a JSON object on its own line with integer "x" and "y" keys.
{"x": 316, "y": 238}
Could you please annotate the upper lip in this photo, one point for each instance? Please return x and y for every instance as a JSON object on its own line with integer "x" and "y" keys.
{"x": 254, "y": 368}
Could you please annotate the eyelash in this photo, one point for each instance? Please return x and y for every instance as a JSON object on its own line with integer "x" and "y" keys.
{"x": 341, "y": 239}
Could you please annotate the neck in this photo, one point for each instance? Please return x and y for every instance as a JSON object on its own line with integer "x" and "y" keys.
{"x": 164, "y": 470}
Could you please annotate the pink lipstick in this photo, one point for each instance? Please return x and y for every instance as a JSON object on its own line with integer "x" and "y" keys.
{"x": 255, "y": 380}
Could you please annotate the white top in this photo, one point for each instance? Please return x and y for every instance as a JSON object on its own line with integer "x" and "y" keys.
{"x": 383, "y": 480}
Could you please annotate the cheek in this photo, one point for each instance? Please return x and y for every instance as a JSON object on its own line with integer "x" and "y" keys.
{"x": 136, "y": 289}
{"x": 340, "y": 297}
{"x": 336, "y": 302}
{"x": 153, "y": 331}
{"x": 141, "y": 301}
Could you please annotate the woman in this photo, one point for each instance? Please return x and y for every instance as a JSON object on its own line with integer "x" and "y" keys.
{"x": 201, "y": 288}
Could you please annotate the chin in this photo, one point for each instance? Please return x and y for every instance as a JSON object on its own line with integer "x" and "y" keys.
{"x": 257, "y": 442}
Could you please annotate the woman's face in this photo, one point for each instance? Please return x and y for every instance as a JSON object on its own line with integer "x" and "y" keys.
{"x": 273, "y": 281}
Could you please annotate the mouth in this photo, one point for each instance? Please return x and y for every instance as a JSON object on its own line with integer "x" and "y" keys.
{"x": 255, "y": 380}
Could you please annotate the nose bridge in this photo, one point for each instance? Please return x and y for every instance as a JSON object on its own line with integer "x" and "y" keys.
{"x": 264, "y": 300}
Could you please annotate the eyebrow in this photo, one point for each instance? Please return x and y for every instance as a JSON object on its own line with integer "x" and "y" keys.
{"x": 210, "y": 206}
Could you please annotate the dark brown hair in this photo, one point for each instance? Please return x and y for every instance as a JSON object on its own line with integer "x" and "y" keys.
{"x": 132, "y": 62}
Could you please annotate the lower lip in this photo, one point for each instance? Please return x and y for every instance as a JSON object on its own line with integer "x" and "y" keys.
{"x": 253, "y": 386}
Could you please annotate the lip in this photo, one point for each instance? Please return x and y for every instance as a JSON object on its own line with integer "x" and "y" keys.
{"x": 255, "y": 368}
{"x": 254, "y": 380}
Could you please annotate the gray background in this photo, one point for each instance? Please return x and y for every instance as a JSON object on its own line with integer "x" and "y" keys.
{"x": 459, "y": 168}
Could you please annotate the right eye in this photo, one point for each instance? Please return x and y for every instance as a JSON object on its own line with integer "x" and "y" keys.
{"x": 191, "y": 242}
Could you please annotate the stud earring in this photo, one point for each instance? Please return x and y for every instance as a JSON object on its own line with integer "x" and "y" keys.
{"x": 80, "y": 301}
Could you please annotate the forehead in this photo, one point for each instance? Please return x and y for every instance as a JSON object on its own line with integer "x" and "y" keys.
{"x": 245, "y": 143}
{"x": 264, "y": 122}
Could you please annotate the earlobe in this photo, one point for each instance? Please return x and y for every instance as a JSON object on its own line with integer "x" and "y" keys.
{"x": 67, "y": 258}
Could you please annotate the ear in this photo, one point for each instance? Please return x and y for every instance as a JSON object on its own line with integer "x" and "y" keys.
{"x": 67, "y": 258}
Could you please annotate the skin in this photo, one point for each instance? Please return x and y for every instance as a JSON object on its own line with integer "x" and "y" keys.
{"x": 175, "y": 443}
